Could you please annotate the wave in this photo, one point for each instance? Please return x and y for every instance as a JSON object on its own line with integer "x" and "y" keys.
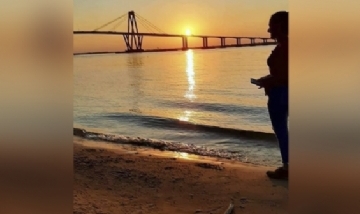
{"x": 216, "y": 107}
{"x": 161, "y": 145}
{"x": 171, "y": 123}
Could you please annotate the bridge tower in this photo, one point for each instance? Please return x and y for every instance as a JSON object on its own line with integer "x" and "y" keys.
{"x": 133, "y": 42}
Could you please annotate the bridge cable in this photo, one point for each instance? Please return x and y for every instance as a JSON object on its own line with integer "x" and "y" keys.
{"x": 110, "y": 22}
{"x": 118, "y": 24}
{"x": 146, "y": 26}
{"x": 149, "y": 23}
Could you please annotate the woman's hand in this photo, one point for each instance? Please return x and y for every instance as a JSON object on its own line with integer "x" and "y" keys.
{"x": 262, "y": 81}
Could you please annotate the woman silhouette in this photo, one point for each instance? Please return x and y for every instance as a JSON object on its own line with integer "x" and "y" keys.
{"x": 277, "y": 88}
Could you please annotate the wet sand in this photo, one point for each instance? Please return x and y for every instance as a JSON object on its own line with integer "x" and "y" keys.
{"x": 130, "y": 179}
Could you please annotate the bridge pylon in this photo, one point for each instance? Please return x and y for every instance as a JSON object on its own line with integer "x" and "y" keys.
{"x": 133, "y": 42}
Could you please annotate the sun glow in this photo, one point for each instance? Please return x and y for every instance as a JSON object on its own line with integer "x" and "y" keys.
{"x": 188, "y": 32}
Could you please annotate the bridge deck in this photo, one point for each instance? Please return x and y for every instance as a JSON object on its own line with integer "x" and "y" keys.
{"x": 162, "y": 35}
{"x": 175, "y": 49}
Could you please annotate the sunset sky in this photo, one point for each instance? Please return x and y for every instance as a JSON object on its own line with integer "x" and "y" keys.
{"x": 210, "y": 17}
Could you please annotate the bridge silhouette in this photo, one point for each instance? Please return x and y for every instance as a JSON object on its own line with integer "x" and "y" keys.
{"x": 134, "y": 39}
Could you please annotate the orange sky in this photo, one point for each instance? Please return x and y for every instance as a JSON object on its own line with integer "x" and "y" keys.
{"x": 210, "y": 17}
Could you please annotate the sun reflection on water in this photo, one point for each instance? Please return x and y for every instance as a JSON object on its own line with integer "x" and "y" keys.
{"x": 189, "y": 94}
{"x": 190, "y": 74}
{"x": 183, "y": 155}
{"x": 186, "y": 116}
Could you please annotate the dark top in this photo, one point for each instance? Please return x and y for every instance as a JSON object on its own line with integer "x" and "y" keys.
{"x": 278, "y": 63}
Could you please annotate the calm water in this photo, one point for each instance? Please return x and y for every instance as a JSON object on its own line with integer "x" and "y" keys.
{"x": 202, "y": 97}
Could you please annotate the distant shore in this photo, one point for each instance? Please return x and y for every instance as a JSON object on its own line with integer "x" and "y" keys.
{"x": 111, "y": 178}
{"x": 171, "y": 49}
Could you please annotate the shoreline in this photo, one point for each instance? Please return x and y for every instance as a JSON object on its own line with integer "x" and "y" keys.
{"x": 163, "y": 145}
{"x": 112, "y": 178}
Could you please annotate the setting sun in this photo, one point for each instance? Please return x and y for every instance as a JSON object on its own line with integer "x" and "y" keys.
{"x": 188, "y": 32}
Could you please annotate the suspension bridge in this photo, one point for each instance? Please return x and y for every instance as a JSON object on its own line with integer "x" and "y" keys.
{"x": 134, "y": 39}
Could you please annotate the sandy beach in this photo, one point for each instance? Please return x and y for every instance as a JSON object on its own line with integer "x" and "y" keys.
{"x": 130, "y": 179}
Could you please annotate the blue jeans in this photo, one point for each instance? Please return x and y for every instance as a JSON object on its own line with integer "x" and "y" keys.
{"x": 278, "y": 106}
